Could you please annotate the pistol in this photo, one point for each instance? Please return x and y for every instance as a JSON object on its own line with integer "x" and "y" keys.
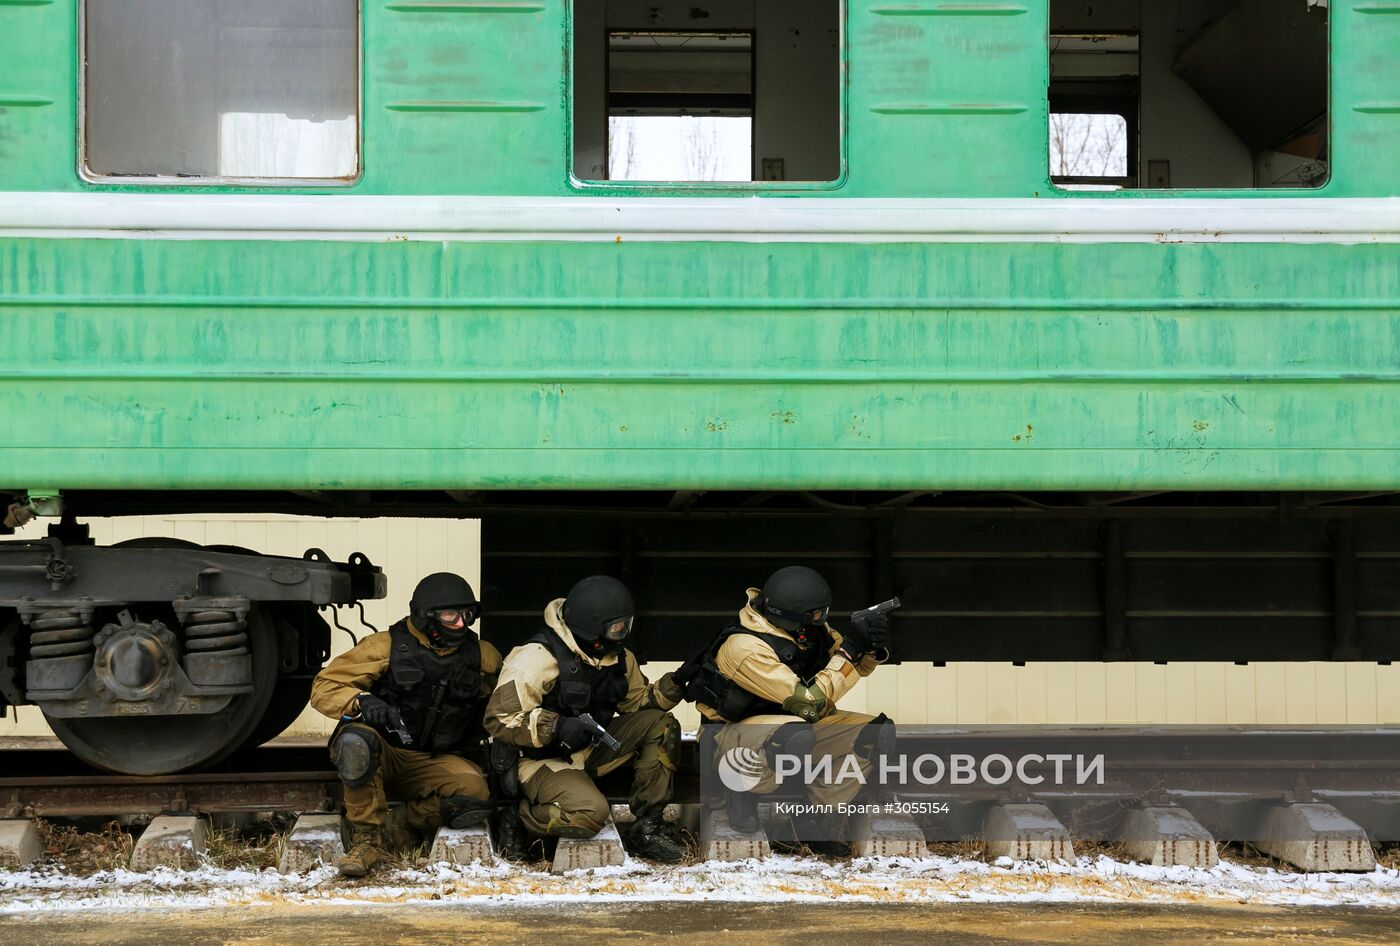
{"x": 398, "y": 729}
{"x": 605, "y": 737}
{"x": 874, "y": 609}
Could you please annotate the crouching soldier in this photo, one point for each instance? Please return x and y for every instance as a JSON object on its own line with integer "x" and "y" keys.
{"x": 408, "y": 700}
{"x": 577, "y": 667}
{"x": 776, "y": 677}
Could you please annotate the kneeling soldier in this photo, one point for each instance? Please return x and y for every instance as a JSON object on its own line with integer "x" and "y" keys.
{"x": 577, "y": 667}
{"x": 777, "y": 676}
{"x": 409, "y": 699}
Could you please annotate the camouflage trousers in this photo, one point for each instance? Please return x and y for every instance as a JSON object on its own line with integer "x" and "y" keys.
{"x": 420, "y": 779}
{"x": 566, "y": 803}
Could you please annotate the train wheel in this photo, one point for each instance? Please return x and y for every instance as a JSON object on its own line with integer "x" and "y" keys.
{"x": 160, "y": 745}
{"x": 289, "y": 698}
{"x": 292, "y": 693}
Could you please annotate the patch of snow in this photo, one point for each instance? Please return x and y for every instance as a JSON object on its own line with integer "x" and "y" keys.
{"x": 778, "y": 879}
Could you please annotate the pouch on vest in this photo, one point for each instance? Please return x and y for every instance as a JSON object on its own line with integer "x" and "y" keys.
{"x": 503, "y": 771}
{"x": 574, "y": 696}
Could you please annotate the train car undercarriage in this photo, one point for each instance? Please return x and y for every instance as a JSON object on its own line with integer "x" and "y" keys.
{"x": 156, "y": 656}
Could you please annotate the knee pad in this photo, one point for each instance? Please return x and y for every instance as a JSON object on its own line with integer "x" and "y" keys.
{"x": 876, "y": 738}
{"x": 575, "y": 824}
{"x": 665, "y": 742}
{"x": 355, "y": 754}
{"x": 790, "y": 739}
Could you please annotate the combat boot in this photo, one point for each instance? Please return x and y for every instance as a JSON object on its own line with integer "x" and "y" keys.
{"x": 742, "y": 809}
{"x": 364, "y": 853}
{"x": 645, "y": 839}
{"x": 512, "y": 837}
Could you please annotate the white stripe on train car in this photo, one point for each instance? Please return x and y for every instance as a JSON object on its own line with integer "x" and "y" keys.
{"x": 711, "y": 219}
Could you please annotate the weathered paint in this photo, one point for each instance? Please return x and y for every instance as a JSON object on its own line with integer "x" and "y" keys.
{"x": 654, "y": 365}
{"x": 145, "y": 362}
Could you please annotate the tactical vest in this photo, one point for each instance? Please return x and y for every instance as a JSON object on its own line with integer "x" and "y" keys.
{"x": 581, "y": 687}
{"x": 438, "y": 695}
{"x": 705, "y": 684}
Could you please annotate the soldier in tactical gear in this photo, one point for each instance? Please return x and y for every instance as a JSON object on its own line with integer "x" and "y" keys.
{"x": 576, "y": 666}
{"x": 776, "y": 676}
{"x": 408, "y": 700}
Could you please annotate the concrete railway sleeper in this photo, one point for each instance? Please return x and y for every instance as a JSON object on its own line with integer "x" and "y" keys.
{"x": 1336, "y": 816}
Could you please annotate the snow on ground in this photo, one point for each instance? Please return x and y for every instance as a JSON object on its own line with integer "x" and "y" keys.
{"x": 779, "y": 879}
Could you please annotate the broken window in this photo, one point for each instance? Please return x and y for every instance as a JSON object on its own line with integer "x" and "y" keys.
{"x": 1188, "y": 93}
{"x": 260, "y": 89}
{"x": 675, "y": 92}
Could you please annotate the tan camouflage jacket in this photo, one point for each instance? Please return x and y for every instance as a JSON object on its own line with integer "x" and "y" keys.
{"x": 334, "y": 690}
{"x": 514, "y": 713}
{"x": 752, "y": 664}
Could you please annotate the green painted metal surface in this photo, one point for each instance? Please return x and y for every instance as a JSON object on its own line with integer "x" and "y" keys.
{"x": 146, "y": 363}
{"x": 942, "y": 99}
{"x": 432, "y": 365}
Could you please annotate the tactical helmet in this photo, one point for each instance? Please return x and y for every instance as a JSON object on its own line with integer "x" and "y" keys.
{"x": 444, "y": 591}
{"x": 599, "y": 611}
{"x": 795, "y": 598}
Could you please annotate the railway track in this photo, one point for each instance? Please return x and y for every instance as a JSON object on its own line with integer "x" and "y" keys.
{"x": 1358, "y": 770}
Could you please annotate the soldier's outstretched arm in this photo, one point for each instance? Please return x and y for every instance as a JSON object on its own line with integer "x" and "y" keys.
{"x": 335, "y": 688}
{"x": 643, "y": 694}
{"x": 514, "y": 713}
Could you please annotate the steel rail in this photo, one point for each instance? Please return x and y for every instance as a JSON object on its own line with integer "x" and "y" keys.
{"x": 1226, "y": 763}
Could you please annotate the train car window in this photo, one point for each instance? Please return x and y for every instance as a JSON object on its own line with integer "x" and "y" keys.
{"x": 184, "y": 91}
{"x": 1089, "y": 150}
{"x": 1188, "y": 94}
{"x": 726, "y": 91}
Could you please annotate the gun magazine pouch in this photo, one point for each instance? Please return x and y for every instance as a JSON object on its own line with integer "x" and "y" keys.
{"x": 504, "y": 760}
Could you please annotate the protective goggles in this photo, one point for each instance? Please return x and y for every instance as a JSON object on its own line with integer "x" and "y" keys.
{"x": 813, "y": 618}
{"x": 618, "y": 629}
{"x": 449, "y": 616}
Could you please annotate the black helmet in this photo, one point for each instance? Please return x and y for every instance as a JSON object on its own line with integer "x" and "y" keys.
{"x": 444, "y": 591}
{"x": 599, "y": 611}
{"x": 795, "y": 598}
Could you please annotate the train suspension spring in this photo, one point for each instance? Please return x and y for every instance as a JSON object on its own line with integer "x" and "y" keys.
{"x": 60, "y": 634}
{"x": 216, "y": 631}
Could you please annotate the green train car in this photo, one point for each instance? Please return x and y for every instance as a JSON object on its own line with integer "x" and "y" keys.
{"x": 1075, "y": 323}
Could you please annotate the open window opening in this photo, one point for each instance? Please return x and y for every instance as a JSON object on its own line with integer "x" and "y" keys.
{"x": 726, "y": 92}
{"x": 196, "y": 89}
{"x": 1188, "y": 94}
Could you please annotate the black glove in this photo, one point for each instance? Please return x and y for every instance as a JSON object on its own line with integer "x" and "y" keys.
{"x": 878, "y": 627}
{"x": 855, "y": 643}
{"x": 572, "y": 734}
{"x": 377, "y": 713}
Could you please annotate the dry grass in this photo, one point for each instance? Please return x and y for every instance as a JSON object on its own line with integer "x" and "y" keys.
{"x": 967, "y": 849}
{"x": 1246, "y": 855}
{"x": 251, "y": 849}
{"x": 85, "y": 852}
{"x": 1389, "y": 858}
{"x": 407, "y": 850}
